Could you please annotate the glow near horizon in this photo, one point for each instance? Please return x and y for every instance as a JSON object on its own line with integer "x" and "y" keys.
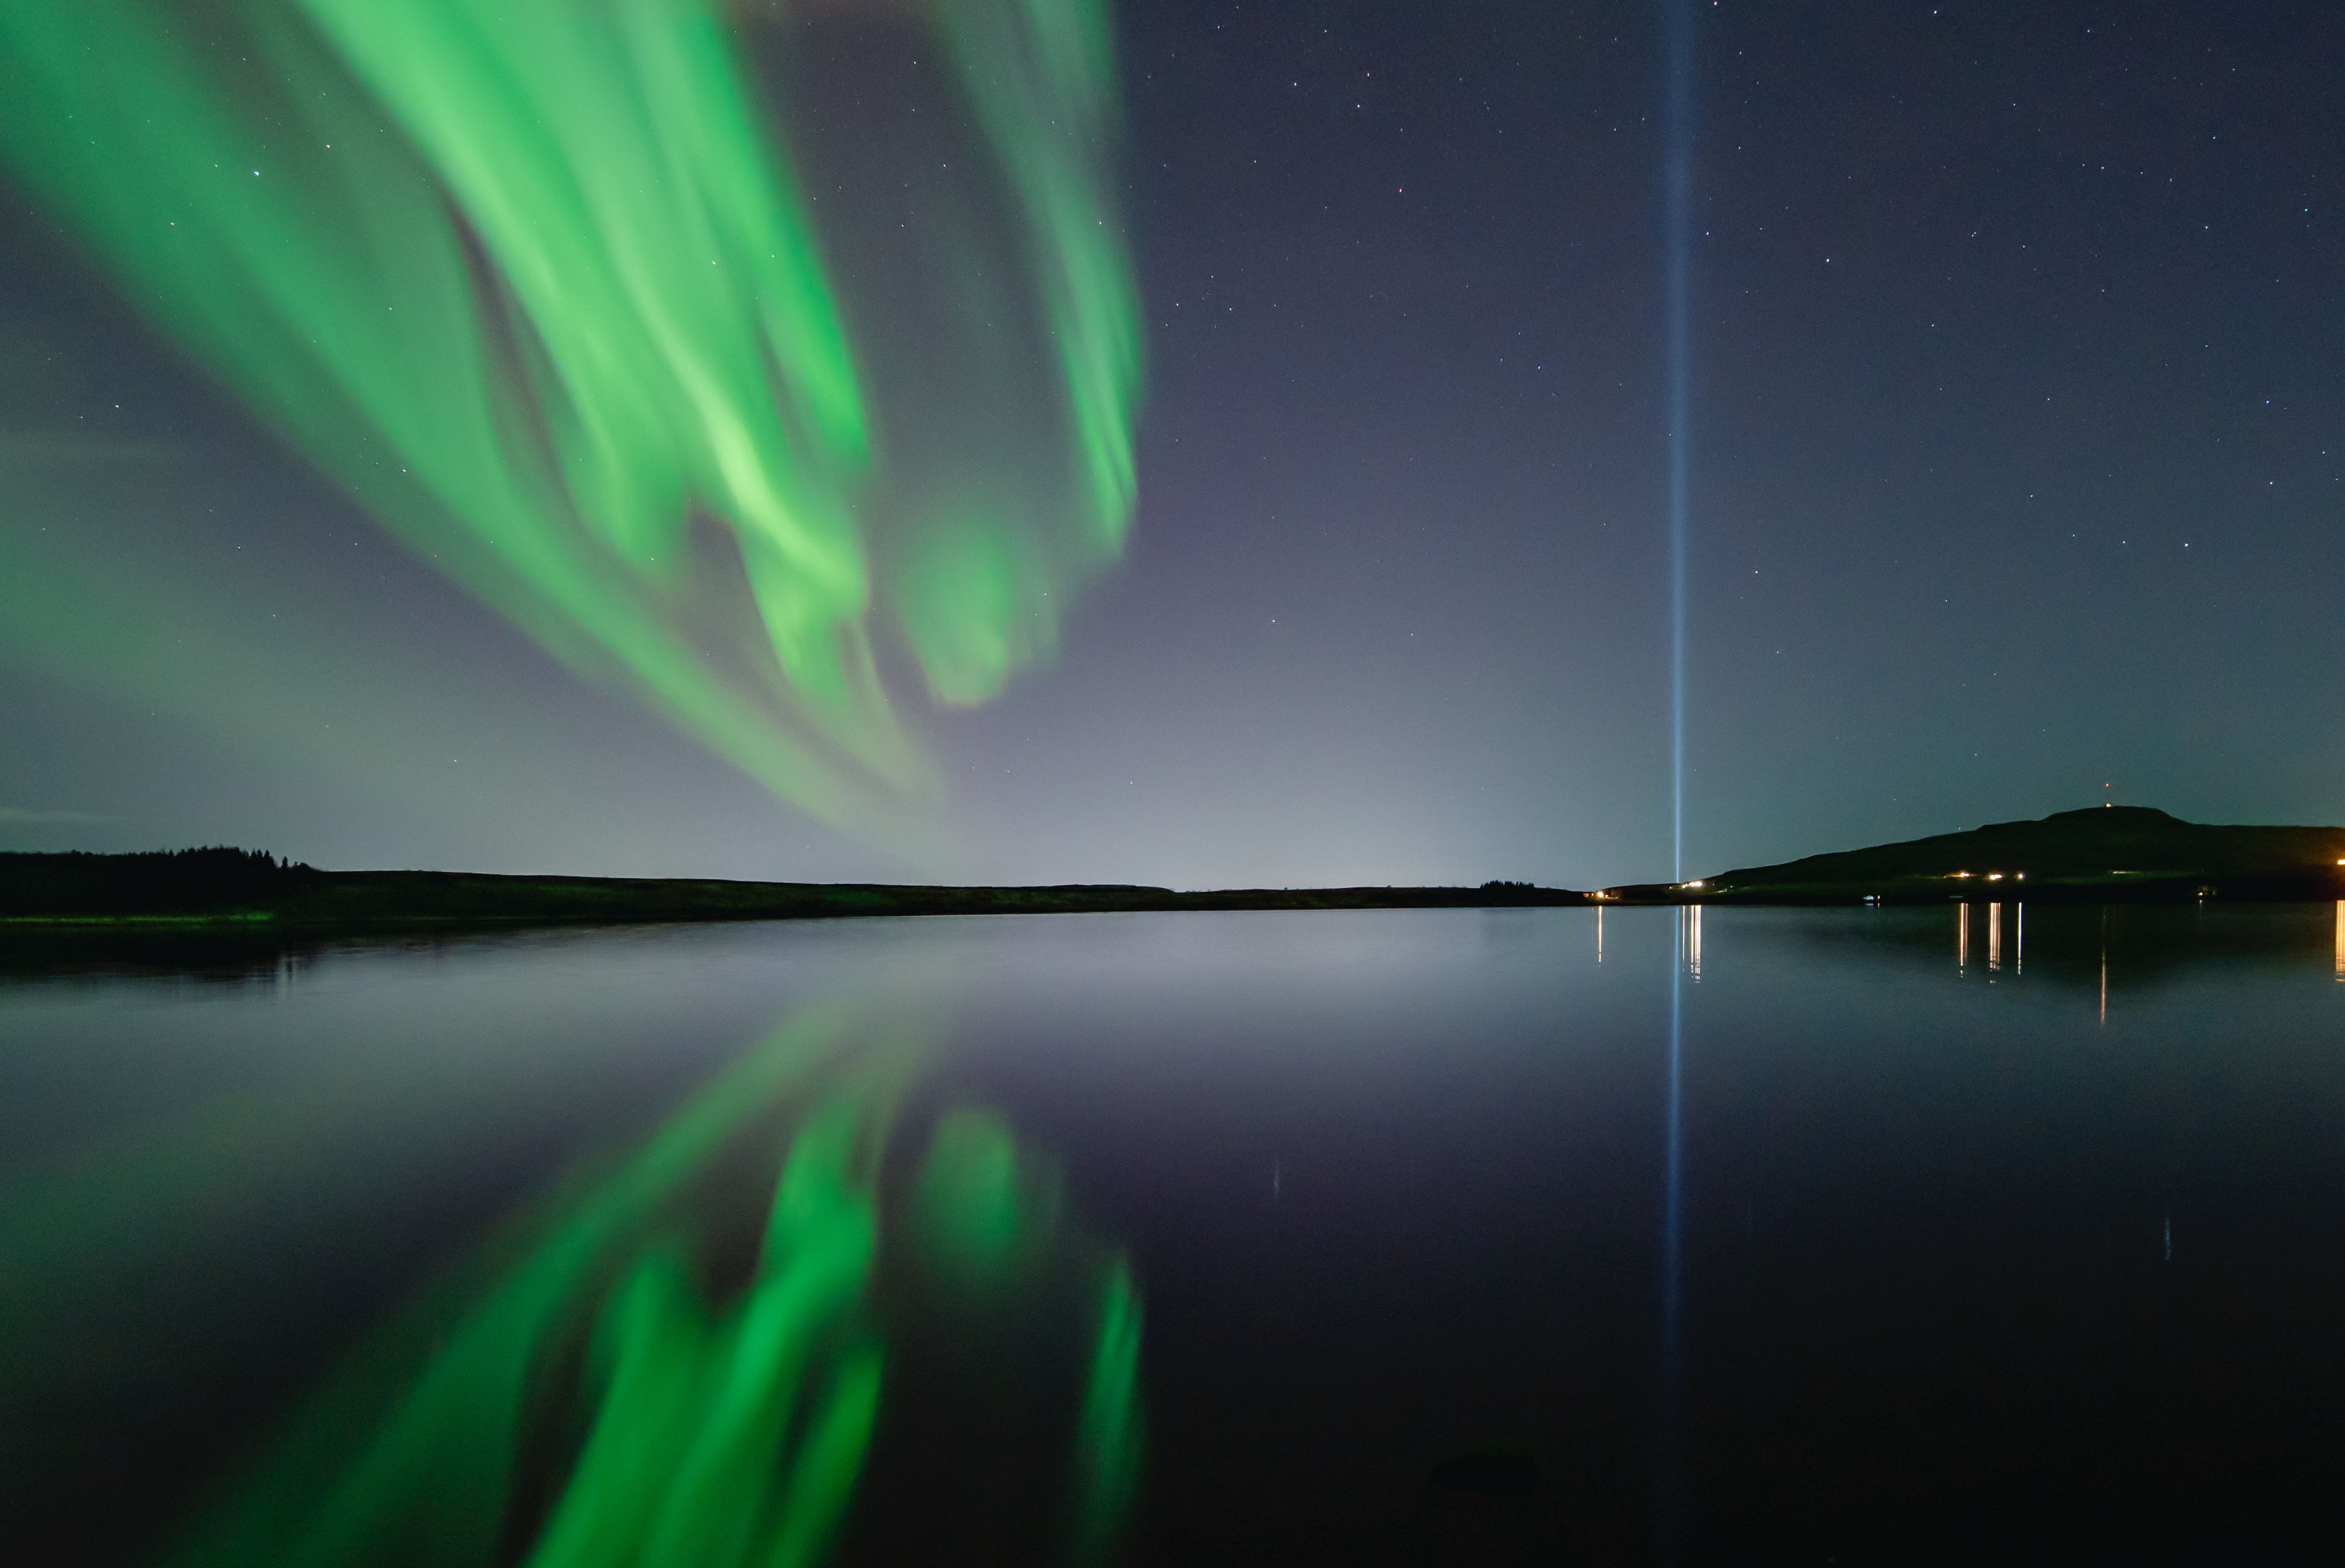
{"x": 537, "y": 282}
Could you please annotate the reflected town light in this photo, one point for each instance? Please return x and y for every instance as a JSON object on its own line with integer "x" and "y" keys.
{"x": 2105, "y": 966}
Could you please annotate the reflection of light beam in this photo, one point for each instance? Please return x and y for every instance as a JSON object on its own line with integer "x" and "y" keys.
{"x": 1962, "y": 937}
{"x": 1672, "y": 1262}
{"x": 2019, "y": 939}
{"x": 2341, "y": 939}
{"x": 1993, "y": 937}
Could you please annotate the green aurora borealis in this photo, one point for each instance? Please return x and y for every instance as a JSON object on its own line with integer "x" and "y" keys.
{"x": 541, "y": 285}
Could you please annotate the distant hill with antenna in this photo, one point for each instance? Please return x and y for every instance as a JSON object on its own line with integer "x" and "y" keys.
{"x": 2099, "y": 853}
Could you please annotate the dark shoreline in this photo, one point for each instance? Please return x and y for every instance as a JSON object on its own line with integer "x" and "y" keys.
{"x": 2065, "y": 857}
{"x": 284, "y": 898}
{"x": 393, "y": 901}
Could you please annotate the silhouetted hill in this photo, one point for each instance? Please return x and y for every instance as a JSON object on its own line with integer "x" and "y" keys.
{"x": 2099, "y": 853}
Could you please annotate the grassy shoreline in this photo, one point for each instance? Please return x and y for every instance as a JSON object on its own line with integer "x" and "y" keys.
{"x": 301, "y": 897}
{"x": 2107, "y": 855}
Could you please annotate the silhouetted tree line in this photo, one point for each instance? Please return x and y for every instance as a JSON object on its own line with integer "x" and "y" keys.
{"x": 209, "y": 880}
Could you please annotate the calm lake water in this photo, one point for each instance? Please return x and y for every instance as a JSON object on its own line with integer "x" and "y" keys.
{"x": 1407, "y": 1236}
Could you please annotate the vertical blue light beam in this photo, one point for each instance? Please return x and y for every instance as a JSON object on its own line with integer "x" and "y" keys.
{"x": 1677, "y": 203}
{"x": 1676, "y": 208}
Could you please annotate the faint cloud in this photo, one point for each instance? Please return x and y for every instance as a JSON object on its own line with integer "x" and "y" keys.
{"x": 17, "y": 816}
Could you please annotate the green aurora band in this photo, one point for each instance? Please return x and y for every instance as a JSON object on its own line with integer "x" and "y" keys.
{"x": 716, "y": 1428}
{"x": 541, "y": 283}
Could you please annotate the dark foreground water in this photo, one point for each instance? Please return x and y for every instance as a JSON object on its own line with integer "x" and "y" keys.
{"x": 1198, "y": 1238}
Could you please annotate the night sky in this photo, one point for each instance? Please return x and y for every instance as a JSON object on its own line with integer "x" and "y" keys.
{"x": 2017, "y": 462}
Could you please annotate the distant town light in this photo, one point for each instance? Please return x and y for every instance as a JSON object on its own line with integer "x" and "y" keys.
{"x": 1698, "y": 882}
{"x": 1994, "y": 876}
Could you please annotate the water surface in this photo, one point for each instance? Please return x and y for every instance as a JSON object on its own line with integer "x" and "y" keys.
{"x": 2011, "y": 1236}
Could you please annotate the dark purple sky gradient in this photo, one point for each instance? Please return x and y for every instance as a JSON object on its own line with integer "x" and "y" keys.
{"x": 2019, "y": 462}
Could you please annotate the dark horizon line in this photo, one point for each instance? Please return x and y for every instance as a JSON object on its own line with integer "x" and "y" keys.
{"x": 2098, "y": 853}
